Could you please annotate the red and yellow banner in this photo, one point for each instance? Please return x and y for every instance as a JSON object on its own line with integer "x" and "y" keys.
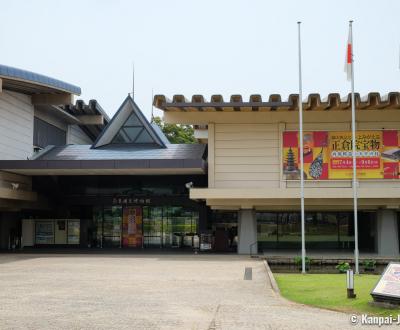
{"x": 132, "y": 235}
{"x": 328, "y": 155}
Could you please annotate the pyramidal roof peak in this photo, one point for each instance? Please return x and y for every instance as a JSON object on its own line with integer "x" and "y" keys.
{"x": 130, "y": 126}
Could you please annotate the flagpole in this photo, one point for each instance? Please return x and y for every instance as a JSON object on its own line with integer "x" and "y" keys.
{"x": 354, "y": 150}
{"x": 303, "y": 245}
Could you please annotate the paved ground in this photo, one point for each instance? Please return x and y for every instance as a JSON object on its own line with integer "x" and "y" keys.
{"x": 147, "y": 292}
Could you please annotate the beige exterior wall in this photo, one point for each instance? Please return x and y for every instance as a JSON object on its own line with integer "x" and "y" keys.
{"x": 249, "y": 155}
{"x": 16, "y": 126}
{"x": 246, "y": 155}
{"x": 245, "y": 161}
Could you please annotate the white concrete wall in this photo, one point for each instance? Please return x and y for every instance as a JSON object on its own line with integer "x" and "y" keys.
{"x": 16, "y": 126}
{"x": 76, "y": 136}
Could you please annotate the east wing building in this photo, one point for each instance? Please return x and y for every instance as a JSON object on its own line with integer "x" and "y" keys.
{"x": 253, "y": 168}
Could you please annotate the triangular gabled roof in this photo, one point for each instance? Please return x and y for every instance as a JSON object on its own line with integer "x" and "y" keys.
{"x": 130, "y": 126}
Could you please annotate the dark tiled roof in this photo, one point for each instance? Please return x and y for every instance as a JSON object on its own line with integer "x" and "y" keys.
{"x": 11, "y": 74}
{"x": 124, "y": 152}
{"x": 92, "y": 108}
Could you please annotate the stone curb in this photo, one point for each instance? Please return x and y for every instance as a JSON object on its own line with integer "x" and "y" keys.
{"x": 271, "y": 277}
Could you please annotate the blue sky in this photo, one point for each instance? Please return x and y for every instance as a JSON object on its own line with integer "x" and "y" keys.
{"x": 201, "y": 47}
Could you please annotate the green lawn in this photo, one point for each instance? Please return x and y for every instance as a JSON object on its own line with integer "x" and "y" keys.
{"x": 329, "y": 291}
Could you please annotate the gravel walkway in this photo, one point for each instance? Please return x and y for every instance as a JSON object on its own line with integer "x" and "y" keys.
{"x": 147, "y": 292}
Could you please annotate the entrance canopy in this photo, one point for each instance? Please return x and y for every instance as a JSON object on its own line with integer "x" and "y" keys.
{"x": 121, "y": 159}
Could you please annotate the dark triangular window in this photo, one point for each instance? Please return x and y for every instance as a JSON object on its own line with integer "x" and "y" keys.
{"x": 133, "y": 120}
{"x": 144, "y": 137}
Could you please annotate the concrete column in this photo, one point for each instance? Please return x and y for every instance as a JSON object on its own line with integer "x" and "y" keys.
{"x": 387, "y": 233}
{"x": 247, "y": 232}
{"x": 203, "y": 215}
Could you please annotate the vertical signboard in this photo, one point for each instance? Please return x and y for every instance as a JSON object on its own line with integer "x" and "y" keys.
{"x": 132, "y": 221}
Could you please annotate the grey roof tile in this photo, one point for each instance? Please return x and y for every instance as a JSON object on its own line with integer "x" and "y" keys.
{"x": 125, "y": 152}
{"x": 10, "y": 72}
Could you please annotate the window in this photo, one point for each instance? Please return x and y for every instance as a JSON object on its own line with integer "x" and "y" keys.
{"x": 45, "y": 134}
{"x": 324, "y": 230}
{"x": 132, "y": 131}
{"x": 44, "y": 232}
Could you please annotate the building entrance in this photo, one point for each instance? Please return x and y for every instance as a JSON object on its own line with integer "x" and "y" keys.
{"x": 110, "y": 230}
{"x": 144, "y": 226}
{"x": 224, "y": 226}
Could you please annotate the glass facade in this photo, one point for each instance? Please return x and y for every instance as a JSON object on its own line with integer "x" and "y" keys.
{"x": 112, "y": 226}
{"x": 324, "y": 230}
{"x": 127, "y": 211}
{"x": 147, "y": 226}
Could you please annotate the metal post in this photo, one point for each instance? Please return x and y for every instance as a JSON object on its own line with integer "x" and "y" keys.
{"x": 133, "y": 80}
{"x": 354, "y": 150}
{"x": 303, "y": 246}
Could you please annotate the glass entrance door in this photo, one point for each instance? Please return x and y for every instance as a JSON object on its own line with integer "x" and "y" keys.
{"x": 169, "y": 226}
{"x": 180, "y": 226}
{"x": 112, "y": 226}
{"x": 153, "y": 226}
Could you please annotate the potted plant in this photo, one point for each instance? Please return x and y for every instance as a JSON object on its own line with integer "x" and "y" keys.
{"x": 343, "y": 267}
{"x": 369, "y": 265}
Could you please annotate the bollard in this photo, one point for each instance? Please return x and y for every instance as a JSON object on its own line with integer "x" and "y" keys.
{"x": 350, "y": 284}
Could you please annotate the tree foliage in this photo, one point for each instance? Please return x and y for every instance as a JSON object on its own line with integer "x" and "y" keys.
{"x": 176, "y": 133}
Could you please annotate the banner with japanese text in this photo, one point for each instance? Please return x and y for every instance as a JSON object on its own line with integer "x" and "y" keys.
{"x": 132, "y": 235}
{"x": 328, "y": 155}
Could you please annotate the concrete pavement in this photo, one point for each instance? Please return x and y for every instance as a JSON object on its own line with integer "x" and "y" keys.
{"x": 147, "y": 292}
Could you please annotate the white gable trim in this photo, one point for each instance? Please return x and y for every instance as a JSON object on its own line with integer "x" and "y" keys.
{"x": 119, "y": 119}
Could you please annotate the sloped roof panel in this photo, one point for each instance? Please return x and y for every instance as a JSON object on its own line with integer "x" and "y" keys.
{"x": 10, "y": 74}
{"x": 84, "y": 152}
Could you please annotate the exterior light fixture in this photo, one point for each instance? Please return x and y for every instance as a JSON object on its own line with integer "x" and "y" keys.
{"x": 350, "y": 284}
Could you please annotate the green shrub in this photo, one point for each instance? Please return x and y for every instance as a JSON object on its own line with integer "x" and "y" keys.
{"x": 343, "y": 267}
{"x": 369, "y": 264}
{"x": 298, "y": 262}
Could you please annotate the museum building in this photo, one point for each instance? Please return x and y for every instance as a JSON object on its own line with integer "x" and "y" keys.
{"x": 71, "y": 177}
{"x": 253, "y": 168}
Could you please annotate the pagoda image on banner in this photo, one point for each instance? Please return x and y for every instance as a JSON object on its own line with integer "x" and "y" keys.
{"x": 291, "y": 169}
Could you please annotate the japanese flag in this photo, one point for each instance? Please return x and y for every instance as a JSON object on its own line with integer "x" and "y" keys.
{"x": 349, "y": 57}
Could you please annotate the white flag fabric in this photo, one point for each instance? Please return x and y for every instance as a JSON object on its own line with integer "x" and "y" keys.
{"x": 349, "y": 57}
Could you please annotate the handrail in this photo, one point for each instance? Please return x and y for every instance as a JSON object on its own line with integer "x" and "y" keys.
{"x": 251, "y": 249}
